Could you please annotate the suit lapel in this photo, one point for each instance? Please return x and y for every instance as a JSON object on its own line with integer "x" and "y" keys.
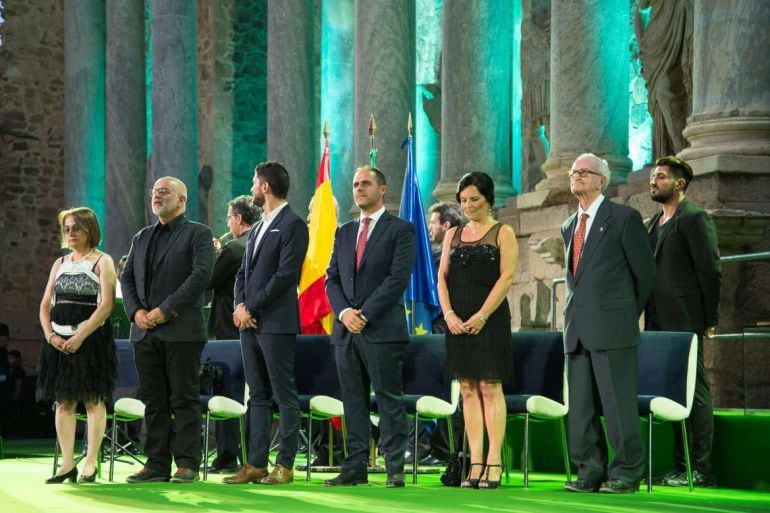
{"x": 250, "y": 245}
{"x": 569, "y": 235}
{"x": 665, "y": 229}
{"x": 598, "y": 229}
{"x": 172, "y": 239}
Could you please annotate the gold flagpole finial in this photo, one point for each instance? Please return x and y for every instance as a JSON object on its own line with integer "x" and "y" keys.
{"x": 372, "y": 127}
{"x": 326, "y": 130}
{"x": 409, "y": 125}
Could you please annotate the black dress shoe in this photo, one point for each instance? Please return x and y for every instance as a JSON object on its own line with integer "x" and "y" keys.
{"x": 431, "y": 461}
{"x": 349, "y": 477}
{"x": 87, "y": 479}
{"x": 395, "y": 481}
{"x": 582, "y": 486}
{"x": 699, "y": 479}
{"x": 217, "y": 469}
{"x": 147, "y": 475}
{"x": 619, "y": 486}
{"x": 72, "y": 475}
{"x": 185, "y": 475}
{"x": 663, "y": 479}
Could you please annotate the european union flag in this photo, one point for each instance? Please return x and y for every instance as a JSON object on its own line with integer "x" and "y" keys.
{"x": 421, "y": 296}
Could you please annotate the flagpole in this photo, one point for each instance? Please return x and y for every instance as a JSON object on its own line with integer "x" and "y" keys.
{"x": 372, "y": 147}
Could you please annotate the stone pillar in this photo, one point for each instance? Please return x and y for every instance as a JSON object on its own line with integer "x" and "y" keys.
{"x": 174, "y": 149}
{"x": 337, "y": 82}
{"x": 729, "y": 129}
{"x": 291, "y": 106}
{"x": 84, "y": 105}
{"x": 384, "y": 83}
{"x": 126, "y": 132}
{"x": 589, "y": 90}
{"x": 476, "y": 95}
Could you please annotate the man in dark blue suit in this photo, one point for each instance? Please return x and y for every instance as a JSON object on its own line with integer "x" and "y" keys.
{"x": 167, "y": 271}
{"x": 369, "y": 270}
{"x": 609, "y": 277}
{"x": 268, "y": 316}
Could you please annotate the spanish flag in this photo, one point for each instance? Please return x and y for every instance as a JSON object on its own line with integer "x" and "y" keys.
{"x": 316, "y": 315}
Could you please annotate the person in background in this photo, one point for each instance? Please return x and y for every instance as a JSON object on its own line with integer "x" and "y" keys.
{"x": 79, "y": 362}
{"x": 685, "y": 297}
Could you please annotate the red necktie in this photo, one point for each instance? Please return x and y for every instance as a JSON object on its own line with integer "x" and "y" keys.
{"x": 577, "y": 242}
{"x": 361, "y": 246}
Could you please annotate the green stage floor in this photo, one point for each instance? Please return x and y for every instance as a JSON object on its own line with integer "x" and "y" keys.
{"x": 28, "y": 464}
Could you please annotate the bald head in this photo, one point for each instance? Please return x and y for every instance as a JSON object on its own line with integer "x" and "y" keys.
{"x": 169, "y": 198}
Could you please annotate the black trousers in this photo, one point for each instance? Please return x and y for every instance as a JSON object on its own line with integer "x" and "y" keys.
{"x": 268, "y": 364}
{"x": 359, "y": 365}
{"x": 170, "y": 389}
{"x": 604, "y": 381}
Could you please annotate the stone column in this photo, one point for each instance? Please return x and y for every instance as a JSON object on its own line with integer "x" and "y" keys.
{"x": 337, "y": 82}
{"x": 291, "y": 106}
{"x": 729, "y": 129}
{"x": 384, "y": 86}
{"x": 174, "y": 149}
{"x": 126, "y": 134}
{"x": 589, "y": 90}
{"x": 476, "y": 95}
{"x": 84, "y": 105}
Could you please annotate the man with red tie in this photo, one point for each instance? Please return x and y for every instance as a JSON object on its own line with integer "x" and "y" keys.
{"x": 610, "y": 272}
{"x": 368, "y": 272}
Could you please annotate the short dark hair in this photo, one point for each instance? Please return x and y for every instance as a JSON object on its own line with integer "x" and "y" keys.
{"x": 244, "y": 205}
{"x": 483, "y": 183}
{"x": 379, "y": 176}
{"x": 86, "y": 220}
{"x": 679, "y": 168}
{"x": 447, "y": 213}
{"x": 276, "y": 176}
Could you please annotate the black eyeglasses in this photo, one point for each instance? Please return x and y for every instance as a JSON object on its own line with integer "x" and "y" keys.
{"x": 582, "y": 173}
{"x": 162, "y": 192}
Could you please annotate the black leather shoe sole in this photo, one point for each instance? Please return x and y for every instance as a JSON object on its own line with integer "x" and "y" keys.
{"x": 347, "y": 480}
{"x": 619, "y": 486}
{"x": 581, "y": 486}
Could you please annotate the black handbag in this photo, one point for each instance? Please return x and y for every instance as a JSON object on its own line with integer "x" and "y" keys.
{"x": 453, "y": 474}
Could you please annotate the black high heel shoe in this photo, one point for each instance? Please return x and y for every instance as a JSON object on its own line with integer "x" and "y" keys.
{"x": 72, "y": 475}
{"x": 88, "y": 479}
{"x": 486, "y": 483}
{"x": 470, "y": 482}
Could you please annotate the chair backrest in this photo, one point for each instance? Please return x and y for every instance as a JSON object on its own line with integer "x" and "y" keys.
{"x": 424, "y": 367}
{"x": 538, "y": 359}
{"x": 667, "y": 365}
{"x": 226, "y": 354}
{"x": 315, "y": 369}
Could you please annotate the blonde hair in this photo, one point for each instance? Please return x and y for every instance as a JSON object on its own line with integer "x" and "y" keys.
{"x": 86, "y": 220}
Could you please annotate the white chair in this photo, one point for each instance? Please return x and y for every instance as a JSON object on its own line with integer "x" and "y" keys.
{"x": 218, "y": 408}
{"x": 125, "y": 409}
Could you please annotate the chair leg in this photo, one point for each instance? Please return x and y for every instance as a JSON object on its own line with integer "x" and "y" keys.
{"x": 206, "y": 446}
{"x": 526, "y": 450}
{"x": 649, "y": 453}
{"x": 465, "y": 453}
{"x": 414, "y": 448}
{"x": 504, "y": 458}
{"x": 344, "y": 437}
{"x": 309, "y": 444}
{"x": 112, "y": 447}
{"x": 451, "y": 435}
{"x": 687, "y": 461}
{"x": 242, "y": 426}
{"x": 55, "y": 455}
{"x": 565, "y": 449}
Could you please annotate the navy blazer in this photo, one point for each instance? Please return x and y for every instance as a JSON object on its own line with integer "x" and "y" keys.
{"x": 687, "y": 285}
{"x": 178, "y": 283}
{"x": 377, "y": 287}
{"x": 267, "y": 281}
{"x": 613, "y": 280}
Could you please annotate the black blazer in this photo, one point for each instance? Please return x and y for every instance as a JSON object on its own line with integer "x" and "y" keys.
{"x": 223, "y": 286}
{"x": 686, "y": 289}
{"x": 267, "y": 282}
{"x": 178, "y": 283}
{"x": 377, "y": 288}
{"x": 613, "y": 280}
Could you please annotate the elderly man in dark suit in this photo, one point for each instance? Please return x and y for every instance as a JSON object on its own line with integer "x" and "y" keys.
{"x": 609, "y": 275}
{"x": 685, "y": 297}
{"x": 369, "y": 270}
{"x": 167, "y": 271}
{"x": 268, "y": 317}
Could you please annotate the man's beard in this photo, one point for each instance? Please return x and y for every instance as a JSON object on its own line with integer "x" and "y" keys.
{"x": 662, "y": 196}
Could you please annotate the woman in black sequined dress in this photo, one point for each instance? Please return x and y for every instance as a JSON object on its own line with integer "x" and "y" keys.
{"x": 79, "y": 362}
{"x": 476, "y": 271}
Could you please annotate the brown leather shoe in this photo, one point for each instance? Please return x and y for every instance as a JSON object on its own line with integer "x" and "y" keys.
{"x": 279, "y": 475}
{"x": 246, "y": 474}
